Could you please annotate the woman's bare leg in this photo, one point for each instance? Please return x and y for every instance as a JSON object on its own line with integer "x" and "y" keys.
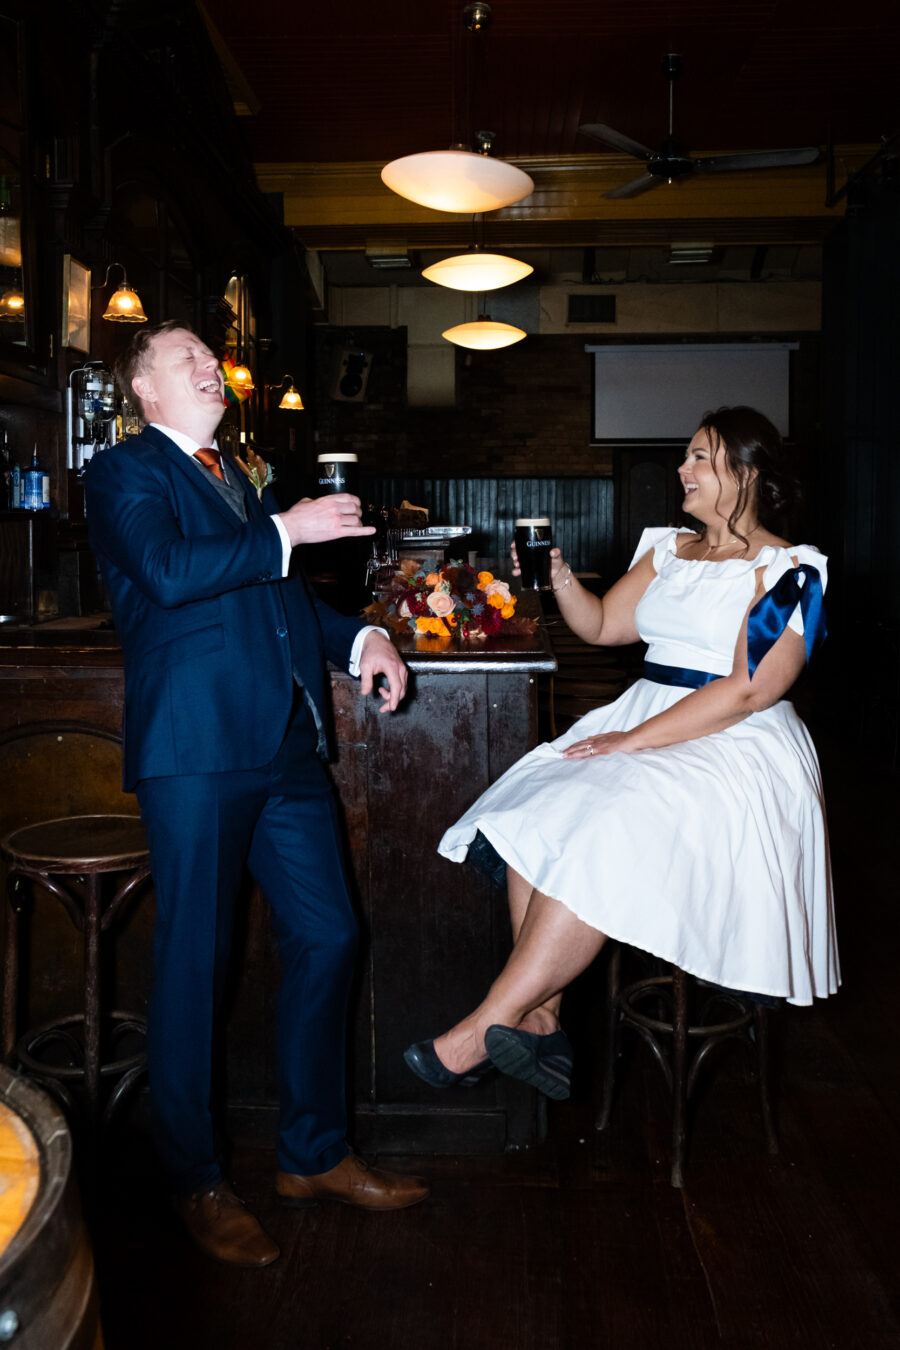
{"x": 544, "y": 1020}
{"x": 553, "y": 947}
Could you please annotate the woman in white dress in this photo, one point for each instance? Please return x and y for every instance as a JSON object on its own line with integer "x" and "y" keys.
{"x": 686, "y": 818}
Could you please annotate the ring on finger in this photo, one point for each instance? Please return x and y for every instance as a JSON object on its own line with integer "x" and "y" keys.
{"x": 590, "y": 749}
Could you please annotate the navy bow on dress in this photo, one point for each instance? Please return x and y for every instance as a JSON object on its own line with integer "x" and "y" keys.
{"x": 769, "y": 616}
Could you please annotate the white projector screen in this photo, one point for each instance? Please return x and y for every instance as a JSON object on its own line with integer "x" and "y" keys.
{"x": 660, "y": 392}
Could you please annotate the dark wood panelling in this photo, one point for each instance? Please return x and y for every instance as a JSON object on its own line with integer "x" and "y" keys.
{"x": 861, "y": 488}
{"x": 580, "y": 510}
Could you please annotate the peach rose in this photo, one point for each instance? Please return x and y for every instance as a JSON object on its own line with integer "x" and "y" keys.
{"x": 440, "y": 603}
{"x": 500, "y": 588}
{"x": 404, "y": 610}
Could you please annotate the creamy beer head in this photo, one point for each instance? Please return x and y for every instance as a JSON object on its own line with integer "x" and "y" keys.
{"x": 336, "y": 473}
{"x": 534, "y": 541}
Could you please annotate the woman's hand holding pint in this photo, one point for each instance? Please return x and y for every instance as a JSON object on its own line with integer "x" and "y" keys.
{"x": 559, "y": 569}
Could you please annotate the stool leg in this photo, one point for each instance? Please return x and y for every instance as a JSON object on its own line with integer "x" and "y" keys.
{"x": 761, "y": 1028}
{"x": 92, "y": 918}
{"x": 10, "y": 970}
{"x": 679, "y": 1074}
{"x": 612, "y": 1037}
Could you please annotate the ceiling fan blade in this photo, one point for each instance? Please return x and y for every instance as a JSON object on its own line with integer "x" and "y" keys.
{"x": 636, "y": 186}
{"x": 757, "y": 159}
{"x": 599, "y": 132}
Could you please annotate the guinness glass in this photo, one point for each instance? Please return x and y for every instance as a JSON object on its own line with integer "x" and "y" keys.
{"x": 336, "y": 473}
{"x": 533, "y": 544}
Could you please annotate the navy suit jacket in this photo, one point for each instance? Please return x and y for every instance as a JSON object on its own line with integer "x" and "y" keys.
{"x": 211, "y": 634}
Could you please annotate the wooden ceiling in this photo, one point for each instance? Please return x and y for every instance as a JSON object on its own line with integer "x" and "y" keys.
{"x": 337, "y": 90}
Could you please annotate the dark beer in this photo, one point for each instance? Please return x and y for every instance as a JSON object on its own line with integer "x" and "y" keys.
{"x": 336, "y": 473}
{"x": 533, "y": 544}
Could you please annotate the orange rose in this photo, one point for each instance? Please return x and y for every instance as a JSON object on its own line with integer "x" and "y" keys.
{"x": 433, "y": 579}
{"x": 485, "y": 579}
{"x": 496, "y": 601}
{"x": 507, "y": 611}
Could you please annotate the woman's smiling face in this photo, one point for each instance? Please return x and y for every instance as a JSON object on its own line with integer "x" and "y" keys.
{"x": 710, "y": 489}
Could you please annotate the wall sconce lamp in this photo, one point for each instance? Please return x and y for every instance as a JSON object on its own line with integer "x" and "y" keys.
{"x": 124, "y": 303}
{"x": 291, "y": 400}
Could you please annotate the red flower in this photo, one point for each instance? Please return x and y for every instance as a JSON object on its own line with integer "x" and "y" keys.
{"x": 491, "y": 620}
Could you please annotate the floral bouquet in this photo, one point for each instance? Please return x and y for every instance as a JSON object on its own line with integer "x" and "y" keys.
{"x": 456, "y": 602}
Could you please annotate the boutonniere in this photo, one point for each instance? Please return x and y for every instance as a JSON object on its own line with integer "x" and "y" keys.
{"x": 261, "y": 474}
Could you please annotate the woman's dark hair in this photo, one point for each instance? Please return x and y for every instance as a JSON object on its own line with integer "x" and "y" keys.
{"x": 750, "y": 441}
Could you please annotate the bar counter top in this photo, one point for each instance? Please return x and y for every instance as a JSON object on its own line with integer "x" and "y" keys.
{"x": 94, "y": 637}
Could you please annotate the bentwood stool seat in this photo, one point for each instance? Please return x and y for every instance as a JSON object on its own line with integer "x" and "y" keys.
{"x": 684, "y": 1020}
{"x": 69, "y": 859}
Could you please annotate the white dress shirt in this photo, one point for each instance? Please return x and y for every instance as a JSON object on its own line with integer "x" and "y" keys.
{"x": 189, "y": 446}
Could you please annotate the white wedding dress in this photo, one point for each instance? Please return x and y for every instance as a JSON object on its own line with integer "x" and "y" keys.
{"x": 711, "y": 853}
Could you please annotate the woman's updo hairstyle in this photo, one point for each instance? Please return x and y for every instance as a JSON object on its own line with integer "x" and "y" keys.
{"x": 750, "y": 441}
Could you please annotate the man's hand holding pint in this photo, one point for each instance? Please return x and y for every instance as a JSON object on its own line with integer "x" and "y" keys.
{"x": 314, "y": 520}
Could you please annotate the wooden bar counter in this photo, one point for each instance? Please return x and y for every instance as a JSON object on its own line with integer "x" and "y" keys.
{"x": 433, "y": 933}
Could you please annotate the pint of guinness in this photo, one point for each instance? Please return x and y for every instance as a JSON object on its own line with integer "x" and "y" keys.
{"x": 533, "y": 544}
{"x": 336, "y": 473}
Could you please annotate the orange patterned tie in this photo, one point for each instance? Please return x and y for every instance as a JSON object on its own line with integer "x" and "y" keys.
{"x": 213, "y": 461}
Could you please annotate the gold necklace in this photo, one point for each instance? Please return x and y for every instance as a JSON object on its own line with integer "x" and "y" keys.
{"x": 729, "y": 543}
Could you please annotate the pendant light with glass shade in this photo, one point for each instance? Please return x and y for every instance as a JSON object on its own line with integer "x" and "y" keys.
{"x": 460, "y": 179}
{"x": 476, "y": 270}
{"x": 484, "y": 334}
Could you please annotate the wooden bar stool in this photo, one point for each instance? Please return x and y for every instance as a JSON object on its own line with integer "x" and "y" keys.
{"x": 670, "y": 1012}
{"x": 68, "y": 859}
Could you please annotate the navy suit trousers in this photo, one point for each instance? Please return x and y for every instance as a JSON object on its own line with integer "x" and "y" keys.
{"x": 203, "y": 829}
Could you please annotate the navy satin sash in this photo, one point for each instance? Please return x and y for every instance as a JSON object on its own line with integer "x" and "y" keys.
{"x": 680, "y": 676}
{"x": 769, "y": 616}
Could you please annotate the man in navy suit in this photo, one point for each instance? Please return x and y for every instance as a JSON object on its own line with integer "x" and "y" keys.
{"x": 225, "y": 730}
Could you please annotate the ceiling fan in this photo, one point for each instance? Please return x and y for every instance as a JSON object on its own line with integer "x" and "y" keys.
{"x": 672, "y": 161}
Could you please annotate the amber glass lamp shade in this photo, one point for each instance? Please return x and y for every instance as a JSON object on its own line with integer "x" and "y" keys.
{"x": 241, "y": 379}
{"x": 125, "y": 306}
{"x": 291, "y": 401}
{"x": 12, "y": 306}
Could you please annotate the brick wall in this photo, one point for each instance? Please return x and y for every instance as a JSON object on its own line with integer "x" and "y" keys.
{"x": 523, "y": 410}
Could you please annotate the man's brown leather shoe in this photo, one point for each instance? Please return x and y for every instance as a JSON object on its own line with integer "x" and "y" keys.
{"x": 223, "y": 1227}
{"x": 353, "y": 1182}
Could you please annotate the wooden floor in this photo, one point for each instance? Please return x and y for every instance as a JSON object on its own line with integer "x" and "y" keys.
{"x": 575, "y": 1245}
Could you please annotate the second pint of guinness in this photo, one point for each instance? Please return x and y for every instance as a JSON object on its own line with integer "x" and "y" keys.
{"x": 534, "y": 541}
{"x": 336, "y": 473}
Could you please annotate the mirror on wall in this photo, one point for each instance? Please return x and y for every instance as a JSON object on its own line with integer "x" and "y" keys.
{"x": 12, "y": 288}
{"x": 17, "y": 280}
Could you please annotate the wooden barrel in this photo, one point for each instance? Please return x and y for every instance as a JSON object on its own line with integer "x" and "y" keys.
{"x": 48, "y": 1296}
